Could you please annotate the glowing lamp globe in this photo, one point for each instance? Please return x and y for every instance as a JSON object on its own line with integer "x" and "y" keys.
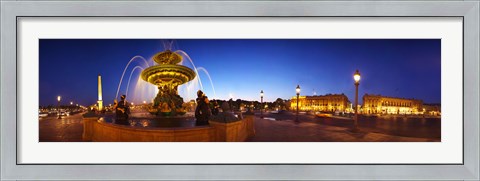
{"x": 356, "y": 76}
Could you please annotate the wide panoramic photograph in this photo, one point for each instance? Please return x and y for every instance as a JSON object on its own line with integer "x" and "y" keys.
{"x": 239, "y": 90}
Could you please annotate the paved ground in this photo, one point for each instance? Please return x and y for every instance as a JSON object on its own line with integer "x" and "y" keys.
{"x": 67, "y": 129}
{"x": 290, "y": 131}
{"x": 70, "y": 129}
{"x": 417, "y": 127}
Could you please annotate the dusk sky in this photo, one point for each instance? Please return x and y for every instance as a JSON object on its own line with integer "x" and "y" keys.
{"x": 240, "y": 68}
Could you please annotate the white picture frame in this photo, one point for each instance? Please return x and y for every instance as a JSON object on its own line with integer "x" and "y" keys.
{"x": 12, "y": 10}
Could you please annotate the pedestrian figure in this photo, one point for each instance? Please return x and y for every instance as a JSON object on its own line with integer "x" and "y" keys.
{"x": 122, "y": 109}
{"x": 215, "y": 108}
{"x": 202, "y": 112}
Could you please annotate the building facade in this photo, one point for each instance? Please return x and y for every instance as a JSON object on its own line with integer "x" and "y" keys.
{"x": 378, "y": 104}
{"x": 432, "y": 109}
{"x": 324, "y": 103}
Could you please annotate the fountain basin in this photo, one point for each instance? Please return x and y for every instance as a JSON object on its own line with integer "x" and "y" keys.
{"x": 154, "y": 122}
{"x": 98, "y": 130}
{"x": 173, "y": 75}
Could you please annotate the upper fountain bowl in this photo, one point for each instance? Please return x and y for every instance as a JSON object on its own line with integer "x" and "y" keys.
{"x": 172, "y": 75}
{"x": 167, "y": 57}
{"x": 167, "y": 72}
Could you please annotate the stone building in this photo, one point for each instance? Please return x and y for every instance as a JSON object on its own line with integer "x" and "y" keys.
{"x": 324, "y": 103}
{"x": 378, "y": 104}
{"x": 432, "y": 109}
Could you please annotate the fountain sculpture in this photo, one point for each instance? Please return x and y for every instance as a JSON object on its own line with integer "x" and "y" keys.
{"x": 167, "y": 75}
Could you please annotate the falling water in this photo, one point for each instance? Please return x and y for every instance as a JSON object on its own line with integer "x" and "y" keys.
{"x": 124, "y": 70}
{"x": 168, "y": 45}
{"x": 144, "y": 91}
{"x": 209, "y": 78}
{"x": 129, "y": 78}
{"x": 185, "y": 55}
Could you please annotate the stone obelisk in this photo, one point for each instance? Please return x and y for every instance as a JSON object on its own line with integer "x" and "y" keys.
{"x": 100, "y": 102}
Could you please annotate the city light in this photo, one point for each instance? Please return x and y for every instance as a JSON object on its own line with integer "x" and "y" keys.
{"x": 261, "y": 103}
{"x": 356, "y": 76}
{"x": 298, "y": 100}
{"x": 58, "y": 107}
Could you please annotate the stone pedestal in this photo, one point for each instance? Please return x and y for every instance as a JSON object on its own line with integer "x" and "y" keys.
{"x": 234, "y": 131}
{"x": 88, "y": 128}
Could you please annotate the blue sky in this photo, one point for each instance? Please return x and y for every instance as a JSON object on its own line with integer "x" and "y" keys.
{"x": 240, "y": 68}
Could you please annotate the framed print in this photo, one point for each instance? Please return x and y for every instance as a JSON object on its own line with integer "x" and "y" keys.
{"x": 240, "y": 90}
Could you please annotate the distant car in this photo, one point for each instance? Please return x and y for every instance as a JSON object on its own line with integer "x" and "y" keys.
{"x": 42, "y": 115}
{"x": 64, "y": 113}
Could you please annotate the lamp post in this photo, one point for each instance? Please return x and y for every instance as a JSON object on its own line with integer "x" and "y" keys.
{"x": 58, "y": 106}
{"x": 261, "y": 104}
{"x": 298, "y": 100}
{"x": 356, "y": 77}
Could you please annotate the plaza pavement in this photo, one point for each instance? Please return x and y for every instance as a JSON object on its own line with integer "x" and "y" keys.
{"x": 268, "y": 130}
{"x": 70, "y": 129}
{"x": 67, "y": 129}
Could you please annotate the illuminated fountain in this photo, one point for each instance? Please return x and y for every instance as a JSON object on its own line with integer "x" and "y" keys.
{"x": 156, "y": 96}
{"x": 167, "y": 75}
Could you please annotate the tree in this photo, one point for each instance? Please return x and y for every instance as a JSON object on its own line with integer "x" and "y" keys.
{"x": 280, "y": 102}
{"x": 238, "y": 102}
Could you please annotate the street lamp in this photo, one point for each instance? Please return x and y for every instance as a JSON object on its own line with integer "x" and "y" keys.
{"x": 261, "y": 104}
{"x": 356, "y": 77}
{"x": 58, "y": 106}
{"x": 298, "y": 96}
